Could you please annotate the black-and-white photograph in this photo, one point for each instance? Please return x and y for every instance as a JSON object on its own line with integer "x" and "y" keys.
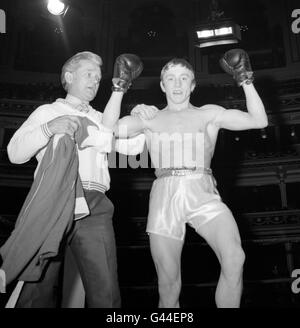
{"x": 149, "y": 156}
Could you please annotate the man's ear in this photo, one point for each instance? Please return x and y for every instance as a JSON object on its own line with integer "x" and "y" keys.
{"x": 162, "y": 86}
{"x": 69, "y": 77}
{"x": 193, "y": 86}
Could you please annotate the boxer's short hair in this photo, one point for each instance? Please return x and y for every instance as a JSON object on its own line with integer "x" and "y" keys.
{"x": 174, "y": 62}
{"x": 72, "y": 64}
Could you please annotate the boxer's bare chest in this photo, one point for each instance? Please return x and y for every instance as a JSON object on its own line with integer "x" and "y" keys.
{"x": 188, "y": 121}
{"x": 191, "y": 124}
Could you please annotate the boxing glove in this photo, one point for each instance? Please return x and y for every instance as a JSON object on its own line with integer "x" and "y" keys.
{"x": 127, "y": 68}
{"x": 236, "y": 62}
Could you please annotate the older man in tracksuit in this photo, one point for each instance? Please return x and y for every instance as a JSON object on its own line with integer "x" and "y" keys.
{"x": 92, "y": 238}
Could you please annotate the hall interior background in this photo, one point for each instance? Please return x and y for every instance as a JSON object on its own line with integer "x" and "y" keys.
{"x": 258, "y": 171}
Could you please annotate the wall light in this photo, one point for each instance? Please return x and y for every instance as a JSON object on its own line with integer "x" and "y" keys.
{"x": 293, "y": 131}
{"x": 57, "y": 7}
{"x": 263, "y": 134}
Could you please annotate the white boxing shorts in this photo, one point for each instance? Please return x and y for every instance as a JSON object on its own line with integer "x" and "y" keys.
{"x": 187, "y": 197}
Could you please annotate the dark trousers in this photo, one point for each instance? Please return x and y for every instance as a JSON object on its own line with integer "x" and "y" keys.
{"x": 92, "y": 242}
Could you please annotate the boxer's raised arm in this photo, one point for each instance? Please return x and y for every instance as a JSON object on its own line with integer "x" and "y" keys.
{"x": 237, "y": 63}
{"x": 127, "y": 68}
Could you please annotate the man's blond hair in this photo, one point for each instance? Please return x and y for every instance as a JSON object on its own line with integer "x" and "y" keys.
{"x": 175, "y": 62}
{"x": 72, "y": 64}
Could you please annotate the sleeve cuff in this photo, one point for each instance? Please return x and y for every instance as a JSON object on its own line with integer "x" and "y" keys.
{"x": 46, "y": 131}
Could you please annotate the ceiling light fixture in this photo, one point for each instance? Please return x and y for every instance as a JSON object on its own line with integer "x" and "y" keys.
{"x": 217, "y": 30}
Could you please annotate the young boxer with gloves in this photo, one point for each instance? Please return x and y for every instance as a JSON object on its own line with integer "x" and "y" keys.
{"x": 181, "y": 140}
{"x": 91, "y": 238}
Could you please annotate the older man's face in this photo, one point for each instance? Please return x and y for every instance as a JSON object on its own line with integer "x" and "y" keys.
{"x": 85, "y": 81}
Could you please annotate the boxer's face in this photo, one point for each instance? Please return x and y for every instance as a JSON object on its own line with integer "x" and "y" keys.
{"x": 178, "y": 83}
{"x": 84, "y": 81}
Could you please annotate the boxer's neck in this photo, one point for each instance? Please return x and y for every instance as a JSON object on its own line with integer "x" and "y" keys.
{"x": 179, "y": 107}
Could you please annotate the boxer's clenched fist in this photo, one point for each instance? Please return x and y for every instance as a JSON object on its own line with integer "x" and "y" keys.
{"x": 236, "y": 62}
{"x": 127, "y": 68}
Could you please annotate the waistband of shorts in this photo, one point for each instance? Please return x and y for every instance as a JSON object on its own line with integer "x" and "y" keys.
{"x": 181, "y": 171}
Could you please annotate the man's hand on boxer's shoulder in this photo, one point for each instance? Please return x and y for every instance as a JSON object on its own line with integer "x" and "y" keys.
{"x": 145, "y": 112}
{"x": 66, "y": 124}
